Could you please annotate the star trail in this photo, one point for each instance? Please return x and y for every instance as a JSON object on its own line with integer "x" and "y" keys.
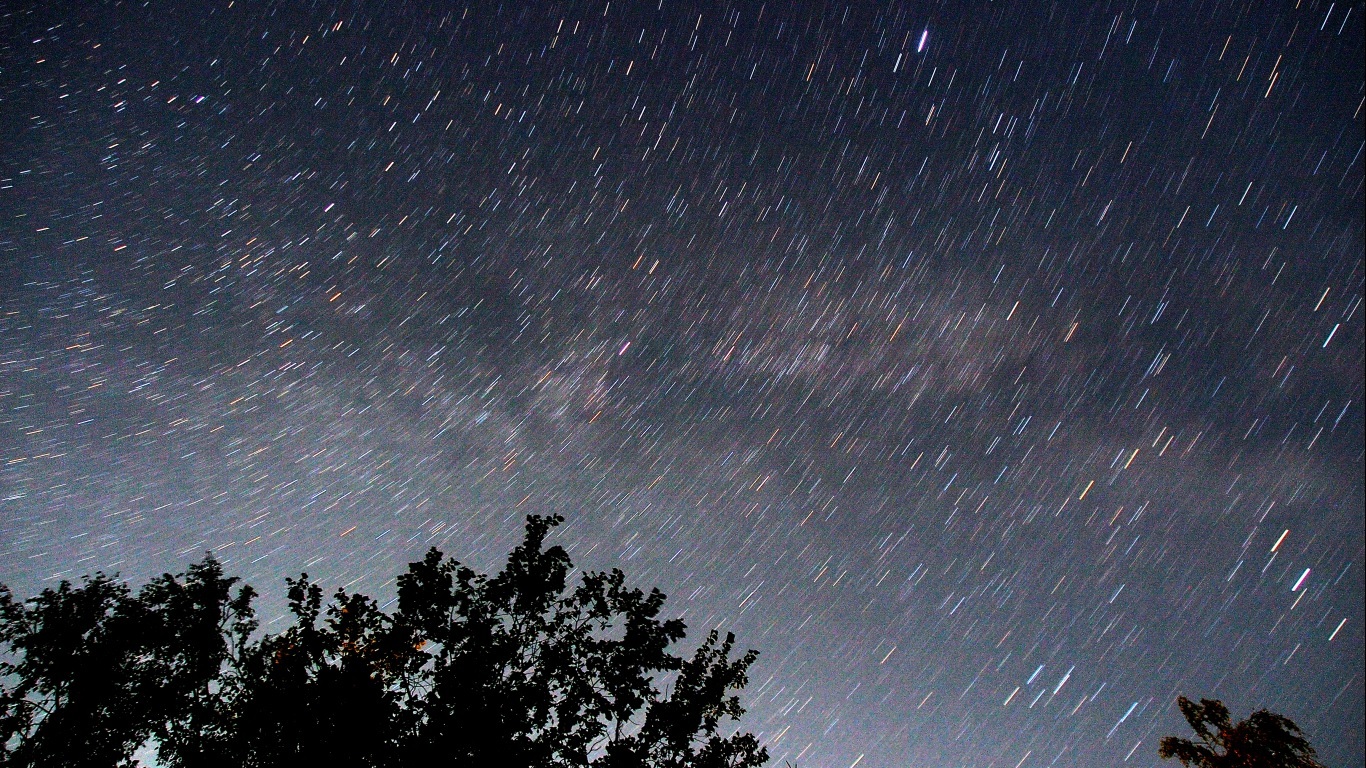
{"x": 994, "y": 368}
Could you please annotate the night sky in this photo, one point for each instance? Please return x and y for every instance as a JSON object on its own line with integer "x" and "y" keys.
{"x": 995, "y": 369}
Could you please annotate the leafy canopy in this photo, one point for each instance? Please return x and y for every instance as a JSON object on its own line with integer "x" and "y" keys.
{"x": 518, "y": 669}
{"x": 1263, "y": 740}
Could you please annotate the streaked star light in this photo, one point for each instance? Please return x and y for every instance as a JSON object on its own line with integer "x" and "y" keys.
{"x": 995, "y": 369}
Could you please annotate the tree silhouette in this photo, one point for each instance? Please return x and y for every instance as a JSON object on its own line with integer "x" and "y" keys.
{"x": 200, "y": 634}
{"x": 1263, "y": 740}
{"x": 74, "y": 666}
{"x": 517, "y": 669}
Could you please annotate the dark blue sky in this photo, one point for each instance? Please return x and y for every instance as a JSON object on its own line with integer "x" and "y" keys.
{"x": 995, "y": 369}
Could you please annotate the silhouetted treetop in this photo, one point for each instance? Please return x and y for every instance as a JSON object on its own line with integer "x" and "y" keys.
{"x": 1263, "y": 740}
{"x": 517, "y": 669}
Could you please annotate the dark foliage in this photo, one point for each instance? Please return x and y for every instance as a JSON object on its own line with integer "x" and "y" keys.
{"x": 519, "y": 670}
{"x": 1263, "y": 740}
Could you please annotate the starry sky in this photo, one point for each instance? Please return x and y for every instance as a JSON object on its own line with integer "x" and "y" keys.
{"x": 994, "y": 368}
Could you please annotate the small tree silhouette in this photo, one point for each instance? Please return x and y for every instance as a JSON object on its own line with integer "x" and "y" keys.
{"x": 1263, "y": 740}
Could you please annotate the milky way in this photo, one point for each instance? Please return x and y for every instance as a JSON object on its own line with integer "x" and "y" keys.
{"x": 995, "y": 369}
